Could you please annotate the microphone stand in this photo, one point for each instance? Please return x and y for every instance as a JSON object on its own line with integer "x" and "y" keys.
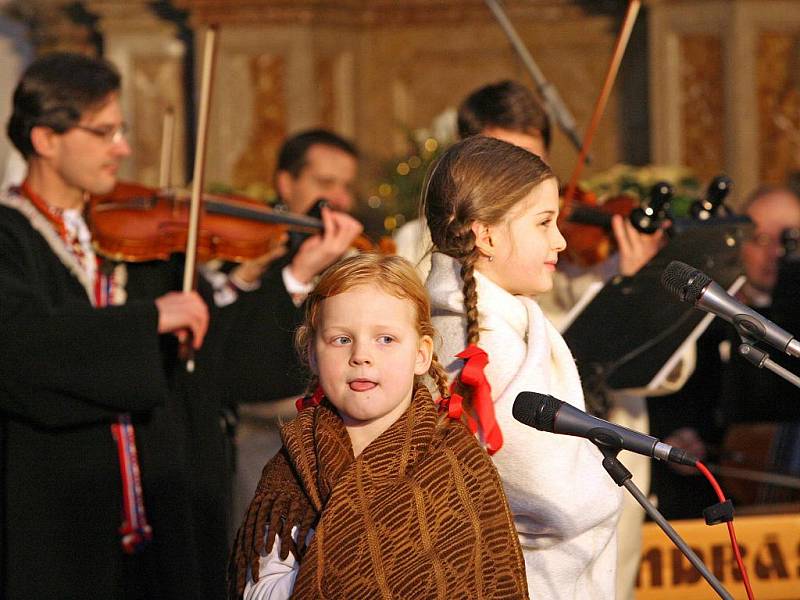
{"x": 761, "y": 359}
{"x": 622, "y": 477}
{"x": 554, "y": 105}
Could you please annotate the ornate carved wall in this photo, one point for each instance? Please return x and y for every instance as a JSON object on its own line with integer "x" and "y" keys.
{"x": 702, "y": 106}
{"x": 366, "y": 68}
{"x": 778, "y": 92}
{"x": 725, "y": 87}
{"x": 372, "y": 69}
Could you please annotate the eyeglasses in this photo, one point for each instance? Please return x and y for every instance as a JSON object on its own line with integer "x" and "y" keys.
{"x": 109, "y": 133}
{"x": 763, "y": 240}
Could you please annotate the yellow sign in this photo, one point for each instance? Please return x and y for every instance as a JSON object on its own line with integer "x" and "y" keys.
{"x": 770, "y": 547}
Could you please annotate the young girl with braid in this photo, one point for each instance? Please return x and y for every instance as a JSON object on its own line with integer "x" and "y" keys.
{"x": 376, "y": 492}
{"x": 491, "y": 208}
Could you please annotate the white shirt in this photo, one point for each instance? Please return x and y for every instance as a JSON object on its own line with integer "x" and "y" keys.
{"x": 276, "y": 575}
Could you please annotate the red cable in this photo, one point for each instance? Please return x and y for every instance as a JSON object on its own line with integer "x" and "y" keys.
{"x": 731, "y": 532}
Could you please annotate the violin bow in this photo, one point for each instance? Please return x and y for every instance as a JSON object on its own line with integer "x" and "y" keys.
{"x": 190, "y": 268}
{"x": 616, "y": 58}
{"x": 167, "y": 142}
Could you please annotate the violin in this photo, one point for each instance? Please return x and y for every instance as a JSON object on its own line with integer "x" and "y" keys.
{"x": 135, "y": 223}
{"x": 756, "y": 465}
{"x": 589, "y": 247}
{"x": 586, "y": 225}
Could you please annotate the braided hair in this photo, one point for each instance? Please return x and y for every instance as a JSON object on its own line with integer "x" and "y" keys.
{"x": 479, "y": 179}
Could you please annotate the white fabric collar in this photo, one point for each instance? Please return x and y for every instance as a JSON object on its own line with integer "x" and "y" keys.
{"x": 446, "y": 293}
{"x": 13, "y": 199}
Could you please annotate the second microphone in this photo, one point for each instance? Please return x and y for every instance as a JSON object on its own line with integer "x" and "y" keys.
{"x": 546, "y": 413}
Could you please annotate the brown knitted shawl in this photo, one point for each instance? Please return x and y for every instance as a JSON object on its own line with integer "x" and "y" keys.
{"x": 420, "y": 514}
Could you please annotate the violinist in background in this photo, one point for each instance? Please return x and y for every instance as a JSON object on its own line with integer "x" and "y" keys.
{"x": 312, "y": 165}
{"x": 725, "y": 390}
{"x": 509, "y": 111}
{"x": 97, "y": 416}
{"x": 505, "y": 110}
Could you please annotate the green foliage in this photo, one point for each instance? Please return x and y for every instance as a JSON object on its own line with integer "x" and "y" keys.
{"x": 638, "y": 181}
{"x": 255, "y": 191}
{"x": 395, "y": 198}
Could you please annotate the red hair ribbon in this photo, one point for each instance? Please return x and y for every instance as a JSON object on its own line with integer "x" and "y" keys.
{"x": 472, "y": 374}
{"x": 452, "y": 405}
{"x": 310, "y": 401}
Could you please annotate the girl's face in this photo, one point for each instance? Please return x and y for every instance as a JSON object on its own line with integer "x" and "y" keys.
{"x": 366, "y": 352}
{"x": 524, "y": 245}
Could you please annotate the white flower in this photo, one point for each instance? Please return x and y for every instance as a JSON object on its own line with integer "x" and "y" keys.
{"x": 445, "y": 126}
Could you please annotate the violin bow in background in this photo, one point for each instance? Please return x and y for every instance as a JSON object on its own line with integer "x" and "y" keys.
{"x": 190, "y": 268}
{"x": 167, "y": 142}
{"x": 616, "y": 58}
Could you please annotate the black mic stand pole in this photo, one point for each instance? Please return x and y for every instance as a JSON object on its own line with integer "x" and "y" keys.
{"x": 623, "y": 477}
{"x": 553, "y": 104}
{"x": 761, "y": 359}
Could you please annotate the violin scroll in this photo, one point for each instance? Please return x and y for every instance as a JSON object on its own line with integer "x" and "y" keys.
{"x": 649, "y": 217}
{"x": 714, "y": 202}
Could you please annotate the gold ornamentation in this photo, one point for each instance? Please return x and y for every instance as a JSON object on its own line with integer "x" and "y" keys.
{"x": 702, "y": 105}
{"x": 778, "y": 105}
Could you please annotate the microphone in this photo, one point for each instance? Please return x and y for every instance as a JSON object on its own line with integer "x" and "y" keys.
{"x": 697, "y": 288}
{"x": 546, "y": 413}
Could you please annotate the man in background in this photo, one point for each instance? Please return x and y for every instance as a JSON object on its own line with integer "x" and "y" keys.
{"x": 726, "y": 391}
{"x": 313, "y": 166}
{"x": 99, "y": 424}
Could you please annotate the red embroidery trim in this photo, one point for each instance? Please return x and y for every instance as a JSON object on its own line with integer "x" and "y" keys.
{"x": 135, "y": 531}
{"x": 44, "y": 208}
{"x": 54, "y": 215}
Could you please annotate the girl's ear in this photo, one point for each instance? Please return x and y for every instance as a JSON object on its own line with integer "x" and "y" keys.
{"x": 424, "y": 355}
{"x": 483, "y": 238}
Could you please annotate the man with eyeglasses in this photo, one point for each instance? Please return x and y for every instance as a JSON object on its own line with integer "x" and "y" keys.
{"x": 110, "y": 453}
{"x": 773, "y": 210}
{"x": 312, "y": 165}
{"x": 726, "y": 391}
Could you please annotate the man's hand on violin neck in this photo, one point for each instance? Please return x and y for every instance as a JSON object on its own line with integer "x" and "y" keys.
{"x": 322, "y": 250}
{"x": 636, "y": 249}
{"x": 179, "y": 312}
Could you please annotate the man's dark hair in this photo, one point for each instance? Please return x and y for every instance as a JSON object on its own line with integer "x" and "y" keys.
{"x": 292, "y": 156}
{"x": 55, "y": 91}
{"x": 507, "y": 105}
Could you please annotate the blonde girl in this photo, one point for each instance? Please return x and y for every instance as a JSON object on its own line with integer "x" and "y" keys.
{"x": 374, "y": 493}
{"x": 491, "y": 208}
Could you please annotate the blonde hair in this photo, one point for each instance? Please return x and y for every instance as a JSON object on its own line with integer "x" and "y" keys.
{"x": 395, "y": 276}
{"x": 477, "y": 179}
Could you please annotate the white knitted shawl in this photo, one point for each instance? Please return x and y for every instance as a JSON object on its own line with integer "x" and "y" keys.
{"x": 565, "y": 505}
